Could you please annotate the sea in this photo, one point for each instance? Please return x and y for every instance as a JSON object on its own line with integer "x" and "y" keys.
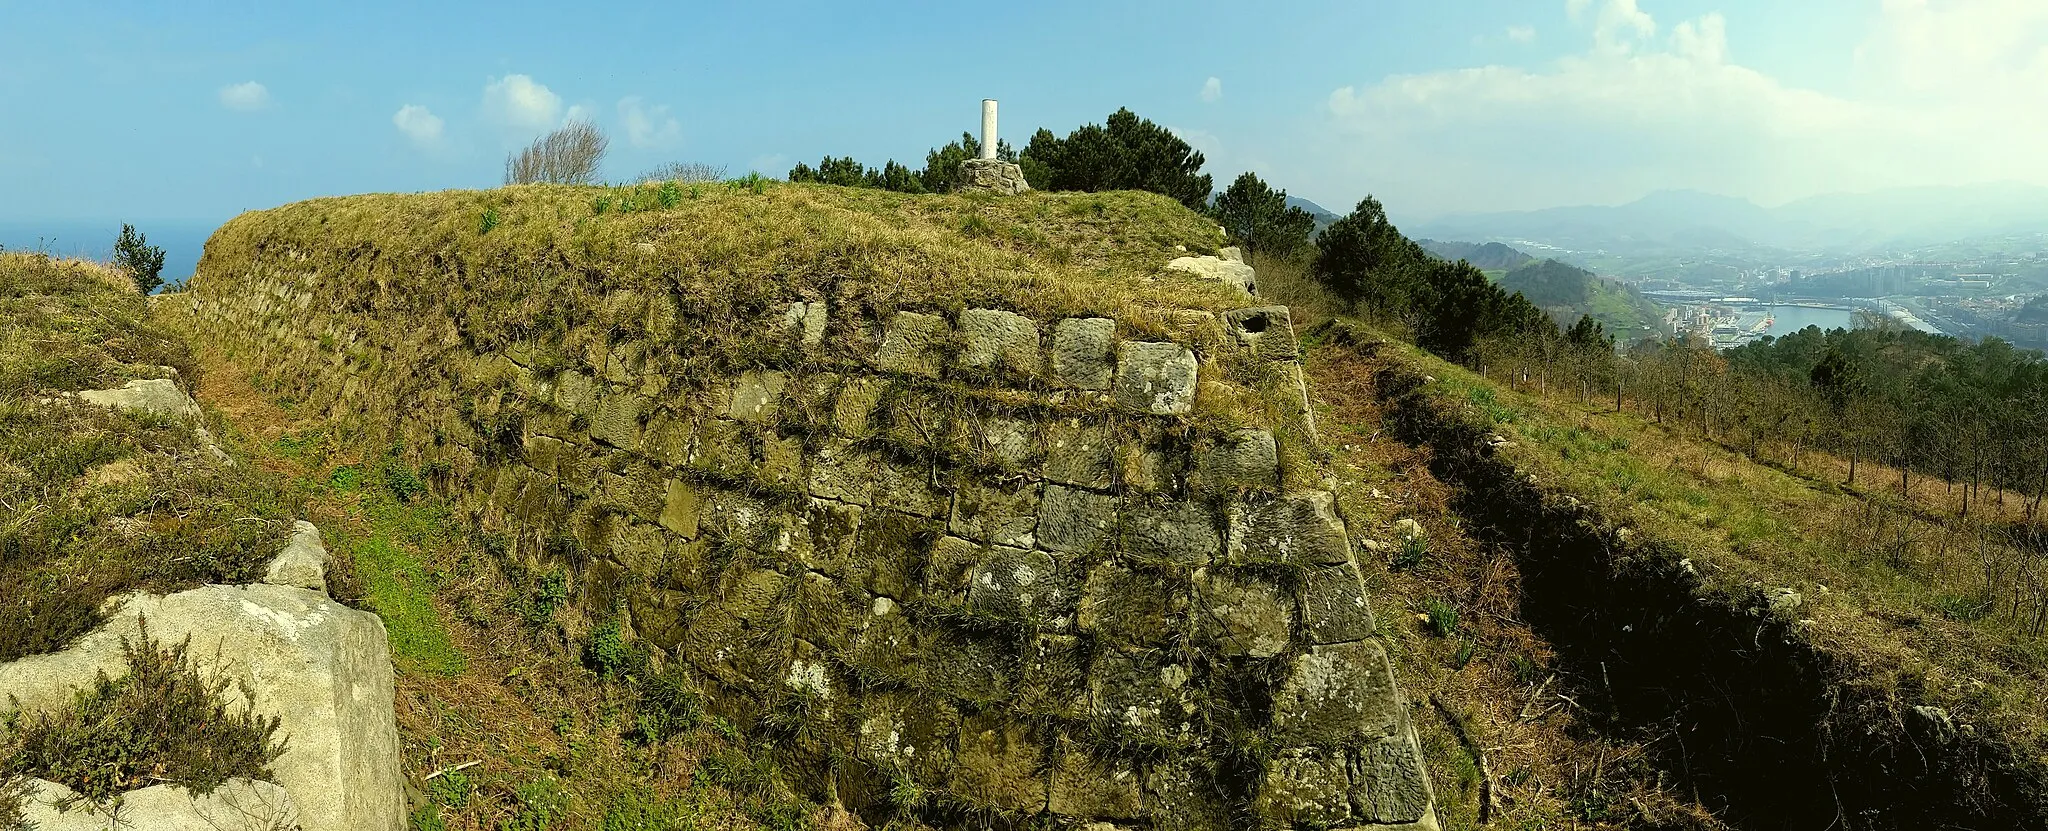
{"x": 181, "y": 240}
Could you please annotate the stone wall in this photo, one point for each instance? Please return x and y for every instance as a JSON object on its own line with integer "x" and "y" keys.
{"x": 1021, "y": 566}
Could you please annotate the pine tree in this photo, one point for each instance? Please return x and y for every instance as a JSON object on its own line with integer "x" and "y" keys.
{"x": 143, "y": 262}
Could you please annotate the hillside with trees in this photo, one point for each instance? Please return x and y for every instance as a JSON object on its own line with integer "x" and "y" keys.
{"x": 1488, "y": 256}
{"x": 1568, "y": 293}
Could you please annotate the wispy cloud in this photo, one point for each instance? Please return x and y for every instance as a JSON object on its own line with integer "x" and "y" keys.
{"x": 517, "y": 101}
{"x": 418, "y": 123}
{"x": 1522, "y": 34}
{"x": 247, "y": 96}
{"x": 1212, "y": 90}
{"x": 648, "y": 125}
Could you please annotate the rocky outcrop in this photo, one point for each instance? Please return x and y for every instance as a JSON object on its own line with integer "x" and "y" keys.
{"x": 323, "y": 669}
{"x": 1228, "y": 269}
{"x": 992, "y": 176}
{"x": 237, "y": 805}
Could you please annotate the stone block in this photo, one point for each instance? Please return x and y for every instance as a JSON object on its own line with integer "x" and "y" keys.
{"x": 1234, "y": 274}
{"x": 1388, "y": 784}
{"x": 235, "y": 805}
{"x": 996, "y": 514}
{"x": 1242, "y": 616}
{"x": 545, "y": 453}
{"x": 953, "y": 562}
{"x": 907, "y": 487}
{"x": 887, "y": 646}
{"x": 782, "y": 460}
{"x": 1085, "y": 784}
{"x": 835, "y": 537}
{"x": 991, "y": 176}
{"x": 1010, "y": 443}
{"x": 993, "y": 339}
{"x": 1336, "y": 696}
{"x": 1267, "y": 331}
{"x": 909, "y": 735}
{"x": 1306, "y": 788}
{"x": 1052, "y": 677}
{"x": 1080, "y": 453}
{"x": 756, "y": 397}
{"x": 1293, "y": 529}
{"x": 576, "y": 392}
{"x": 892, "y": 554}
{"x": 845, "y": 473}
{"x": 667, "y": 438}
{"x": 1183, "y": 794}
{"x": 914, "y": 344}
{"x": 1081, "y": 352}
{"x": 975, "y": 669}
{"x": 617, "y": 422}
{"x": 829, "y": 614}
{"x": 724, "y": 447}
{"x": 853, "y": 413}
{"x": 680, "y": 507}
{"x": 1240, "y": 459}
{"x": 805, "y": 322}
{"x": 1334, "y": 608}
{"x": 1074, "y": 521}
{"x": 658, "y": 614}
{"x": 1158, "y": 378}
{"x": 999, "y": 765}
{"x": 1135, "y": 608}
{"x": 1144, "y": 695}
{"x": 1023, "y": 584}
{"x": 1177, "y": 533}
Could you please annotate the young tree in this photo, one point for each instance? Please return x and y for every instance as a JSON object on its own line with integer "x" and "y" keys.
{"x": 568, "y": 156}
{"x": 143, "y": 262}
{"x": 1260, "y": 219}
{"x": 941, "y": 173}
{"x": 1128, "y": 153}
{"x": 1366, "y": 260}
{"x": 686, "y": 173}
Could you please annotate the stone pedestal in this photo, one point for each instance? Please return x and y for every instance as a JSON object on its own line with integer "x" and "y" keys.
{"x": 993, "y": 176}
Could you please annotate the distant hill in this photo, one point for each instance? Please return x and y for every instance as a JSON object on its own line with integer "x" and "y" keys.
{"x": 1487, "y": 256}
{"x": 2034, "y": 313}
{"x": 1566, "y": 292}
{"x": 1684, "y": 220}
{"x": 1323, "y": 215}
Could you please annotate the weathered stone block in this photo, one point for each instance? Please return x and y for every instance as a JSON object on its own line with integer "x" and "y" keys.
{"x": 1081, "y": 348}
{"x": 744, "y": 610}
{"x": 1158, "y": 378}
{"x": 782, "y": 460}
{"x": 835, "y": 530}
{"x": 909, "y": 735}
{"x": 853, "y": 414}
{"x": 991, "y": 176}
{"x": 544, "y": 454}
{"x": 1388, "y": 785}
{"x": 617, "y": 422}
{"x": 1336, "y": 696}
{"x": 667, "y": 438}
{"x": 1179, "y": 533}
{"x": 1052, "y": 677}
{"x": 1010, "y": 443}
{"x": 996, "y": 339}
{"x": 1144, "y": 695}
{"x": 756, "y": 396}
{"x": 1267, "y": 331}
{"x": 892, "y": 553}
{"x": 805, "y": 322}
{"x": 680, "y": 507}
{"x": 952, "y": 565}
{"x": 1023, "y": 584}
{"x": 576, "y": 392}
{"x": 829, "y": 614}
{"x": 955, "y": 665}
{"x": 1248, "y": 458}
{"x": 1306, "y": 788}
{"x": 1182, "y": 794}
{"x": 907, "y": 487}
{"x": 996, "y": 514}
{"x": 1080, "y": 453}
{"x": 914, "y": 344}
{"x": 1296, "y": 529}
{"x": 842, "y": 472}
{"x": 1073, "y": 520}
{"x": 999, "y": 765}
{"x": 1334, "y": 608}
{"x": 658, "y": 614}
{"x": 1137, "y": 608}
{"x": 887, "y": 646}
{"x": 724, "y": 447}
{"x": 1242, "y": 616}
{"x": 1087, "y": 785}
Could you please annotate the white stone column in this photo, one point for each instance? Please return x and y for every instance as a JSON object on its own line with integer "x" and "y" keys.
{"x": 988, "y": 128}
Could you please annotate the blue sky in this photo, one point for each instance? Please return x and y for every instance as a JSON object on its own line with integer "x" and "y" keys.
{"x": 192, "y": 112}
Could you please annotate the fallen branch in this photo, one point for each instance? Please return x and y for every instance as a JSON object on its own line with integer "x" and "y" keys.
{"x": 460, "y": 767}
{"x": 1535, "y": 697}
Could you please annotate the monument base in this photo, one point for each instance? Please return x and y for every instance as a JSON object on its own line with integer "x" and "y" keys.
{"x": 991, "y": 176}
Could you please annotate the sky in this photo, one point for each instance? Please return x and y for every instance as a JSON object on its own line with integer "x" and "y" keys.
{"x": 185, "y": 114}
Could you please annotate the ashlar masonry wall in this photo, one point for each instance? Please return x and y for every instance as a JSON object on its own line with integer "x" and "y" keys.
{"x": 1030, "y": 566}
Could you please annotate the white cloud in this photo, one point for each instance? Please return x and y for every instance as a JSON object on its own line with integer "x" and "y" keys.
{"x": 247, "y": 96}
{"x": 516, "y": 101}
{"x": 1212, "y": 89}
{"x": 648, "y": 126}
{"x": 418, "y": 123}
{"x": 1961, "y": 89}
{"x": 1522, "y": 34}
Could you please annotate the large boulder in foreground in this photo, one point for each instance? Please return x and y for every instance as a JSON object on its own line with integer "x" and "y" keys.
{"x": 237, "y": 805}
{"x": 322, "y": 668}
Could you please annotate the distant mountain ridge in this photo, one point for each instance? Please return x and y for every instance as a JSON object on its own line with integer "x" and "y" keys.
{"x": 1486, "y": 256}
{"x": 1324, "y": 216}
{"x": 1680, "y": 220}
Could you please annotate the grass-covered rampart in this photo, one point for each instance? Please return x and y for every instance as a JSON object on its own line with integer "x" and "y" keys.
{"x": 1791, "y": 680}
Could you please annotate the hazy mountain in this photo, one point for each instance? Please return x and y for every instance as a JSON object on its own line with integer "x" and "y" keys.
{"x": 1323, "y": 215}
{"x": 1679, "y": 221}
{"x": 1488, "y": 256}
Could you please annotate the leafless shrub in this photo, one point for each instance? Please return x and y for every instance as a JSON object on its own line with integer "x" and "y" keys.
{"x": 567, "y": 156}
{"x": 688, "y": 173}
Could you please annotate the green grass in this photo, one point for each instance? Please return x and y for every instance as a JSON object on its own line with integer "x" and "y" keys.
{"x": 397, "y": 583}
